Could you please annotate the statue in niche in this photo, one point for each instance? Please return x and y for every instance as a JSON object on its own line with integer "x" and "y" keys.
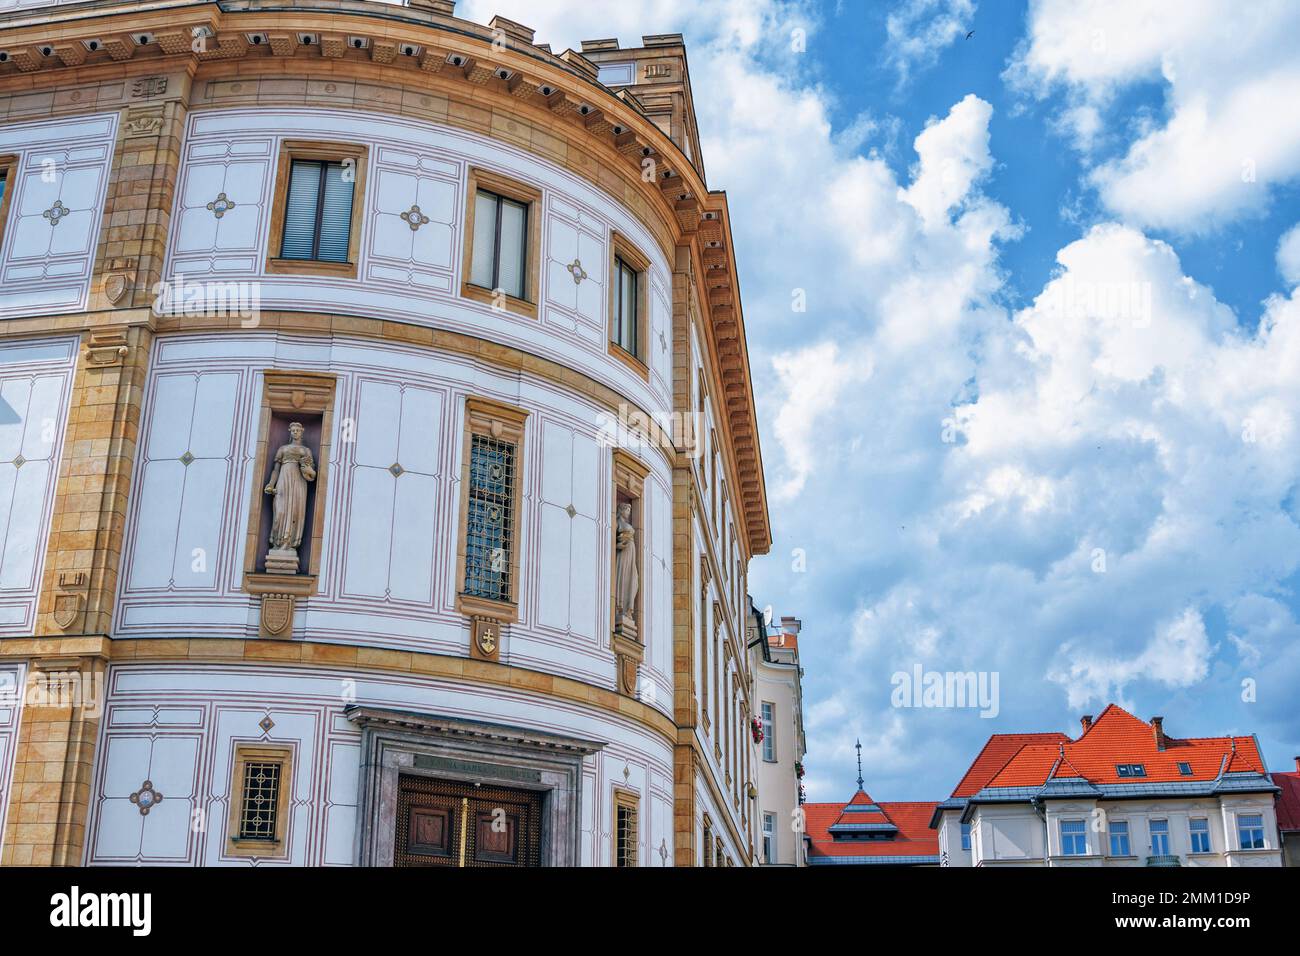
{"x": 626, "y": 581}
{"x": 294, "y": 467}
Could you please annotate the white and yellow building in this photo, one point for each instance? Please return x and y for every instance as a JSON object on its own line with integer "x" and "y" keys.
{"x": 491, "y": 283}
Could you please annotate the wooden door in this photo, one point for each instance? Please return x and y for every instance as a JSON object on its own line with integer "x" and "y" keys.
{"x": 450, "y": 823}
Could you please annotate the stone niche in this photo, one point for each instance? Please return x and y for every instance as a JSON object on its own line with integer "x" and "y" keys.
{"x": 287, "y": 397}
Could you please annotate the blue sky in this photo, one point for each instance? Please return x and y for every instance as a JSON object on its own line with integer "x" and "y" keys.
{"x": 1039, "y": 416}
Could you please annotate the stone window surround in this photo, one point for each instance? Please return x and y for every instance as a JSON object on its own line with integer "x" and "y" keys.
{"x": 621, "y": 248}
{"x": 265, "y": 752}
{"x": 291, "y": 150}
{"x": 396, "y": 742}
{"x": 520, "y": 192}
{"x": 9, "y": 167}
{"x": 485, "y": 416}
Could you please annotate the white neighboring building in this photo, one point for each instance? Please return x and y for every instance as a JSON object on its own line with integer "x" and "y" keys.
{"x": 1122, "y": 794}
{"x": 778, "y": 703}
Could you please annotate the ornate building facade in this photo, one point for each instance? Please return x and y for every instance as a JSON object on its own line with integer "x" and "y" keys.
{"x": 378, "y": 457}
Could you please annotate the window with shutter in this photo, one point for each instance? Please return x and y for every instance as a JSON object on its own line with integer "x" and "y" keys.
{"x": 316, "y": 219}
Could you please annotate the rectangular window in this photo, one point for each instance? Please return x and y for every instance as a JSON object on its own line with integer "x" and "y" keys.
{"x": 488, "y": 569}
{"x": 1250, "y": 831}
{"x": 316, "y": 215}
{"x": 490, "y": 523}
{"x": 769, "y": 838}
{"x": 1119, "y": 844}
{"x": 628, "y": 325}
{"x": 1159, "y": 837}
{"x": 626, "y": 307}
{"x": 708, "y": 841}
{"x": 502, "y": 239}
{"x": 1185, "y": 769}
{"x": 769, "y": 738}
{"x": 318, "y": 211}
{"x": 965, "y": 836}
{"x": 1131, "y": 770}
{"x": 500, "y": 243}
{"x": 1074, "y": 838}
{"x": 626, "y": 831}
{"x": 1200, "y": 832}
{"x": 259, "y": 800}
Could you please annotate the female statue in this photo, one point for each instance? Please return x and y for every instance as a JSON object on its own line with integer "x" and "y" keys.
{"x": 294, "y": 467}
{"x": 625, "y": 580}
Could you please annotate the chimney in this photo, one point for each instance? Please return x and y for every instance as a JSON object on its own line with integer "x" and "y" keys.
{"x": 1086, "y": 722}
{"x": 791, "y": 625}
{"x": 1297, "y": 764}
{"x": 1158, "y": 727}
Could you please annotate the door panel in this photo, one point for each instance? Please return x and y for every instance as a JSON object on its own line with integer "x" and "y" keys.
{"x": 450, "y": 823}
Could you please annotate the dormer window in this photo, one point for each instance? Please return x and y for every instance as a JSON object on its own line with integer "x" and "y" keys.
{"x": 1131, "y": 769}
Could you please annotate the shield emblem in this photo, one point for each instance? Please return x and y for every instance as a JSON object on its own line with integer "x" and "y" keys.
{"x": 66, "y": 609}
{"x": 277, "y": 612}
{"x": 115, "y": 287}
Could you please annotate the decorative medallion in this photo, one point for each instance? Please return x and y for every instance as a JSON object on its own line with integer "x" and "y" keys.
{"x": 576, "y": 270}
{"x": 146, "y": 798}
{"x": 56, "y": 212}
{"x": 221, "y": 205}
{"x": 663, "y": 852}
{"x": 494, "y": 514}
{"x": 187, "y": 459}
{"x": 570, "y": 510}
{"x": 414, "y": 218}
{"x": 396, "y": 469}
{"x": 663, "y": 342}
{"x": 266, "y": 723}
{"x": 19, "y": 461}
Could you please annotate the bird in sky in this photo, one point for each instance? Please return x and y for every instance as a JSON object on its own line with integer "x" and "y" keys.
{"x": 969, "y": 35}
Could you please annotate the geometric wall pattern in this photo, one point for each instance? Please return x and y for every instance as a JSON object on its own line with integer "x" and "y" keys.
{"x": 35, "y": 384}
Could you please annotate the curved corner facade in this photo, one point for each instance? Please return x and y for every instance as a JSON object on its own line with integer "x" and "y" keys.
{"x": 378, "y": 462}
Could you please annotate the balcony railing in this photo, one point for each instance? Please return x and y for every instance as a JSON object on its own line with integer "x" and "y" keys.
{"x": 1167, "y": 859}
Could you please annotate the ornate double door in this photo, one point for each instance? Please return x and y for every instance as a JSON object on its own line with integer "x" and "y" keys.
{"x": 449, "y": 823}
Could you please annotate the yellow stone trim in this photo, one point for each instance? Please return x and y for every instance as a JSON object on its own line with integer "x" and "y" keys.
{"x": 346, "y": 656}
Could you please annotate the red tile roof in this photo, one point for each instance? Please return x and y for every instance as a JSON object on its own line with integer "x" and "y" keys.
{"x": 1116, "y": 737}
{"x": 999, "y": 749}
{"x": 1288, "y": 801}
{"x": 914, "y": 836}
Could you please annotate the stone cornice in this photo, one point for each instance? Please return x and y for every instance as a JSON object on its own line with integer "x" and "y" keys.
{"x": 415, "y": 41}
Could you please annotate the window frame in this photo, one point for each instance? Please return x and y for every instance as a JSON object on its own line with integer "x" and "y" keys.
{"x": 259, "y": 752}
{"x": 9, "y": 173}
{"x": 1152, "y": 832}
{"x": 1126, "y": 835}
{"x": 965, "y": 830}
{"x": 769, "y": 837}
{"x": 1242, "y": 828}
{"x": 1081, "y": 834}
{"x": 1194, "y": 831}
{"x": 292, "y": 150}
{"x": 629, "y": 802}
{"x": 768, "y": 711}
{"x": 531, "y": 198}
{"x": 620, "y": 249}
{"x": 501, "y": 422}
